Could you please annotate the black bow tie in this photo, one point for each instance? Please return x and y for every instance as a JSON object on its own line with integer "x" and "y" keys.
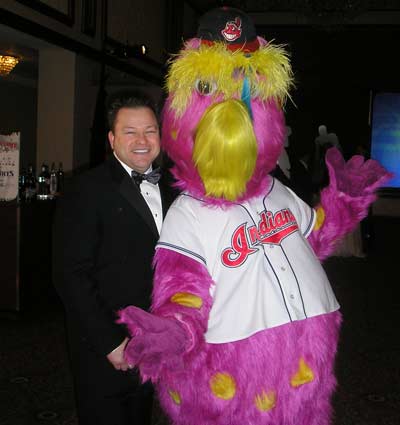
{"x": 152, "y": 177}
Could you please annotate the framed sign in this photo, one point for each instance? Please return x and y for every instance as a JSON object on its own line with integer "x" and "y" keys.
{"x": 89, "y": 15}
{"x": 61, "y": 10}
{"x": 9, "y": 166}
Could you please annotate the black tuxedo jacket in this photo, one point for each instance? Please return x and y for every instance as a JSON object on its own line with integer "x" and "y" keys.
{"x": 104, "y": 240}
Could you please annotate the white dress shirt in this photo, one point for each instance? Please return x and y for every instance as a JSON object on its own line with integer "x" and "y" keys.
{"x": 151, "y": 194}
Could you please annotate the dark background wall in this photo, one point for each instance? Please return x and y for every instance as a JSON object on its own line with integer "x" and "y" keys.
{"x": 18, "y": 112}
{"x": 336, "y": 72}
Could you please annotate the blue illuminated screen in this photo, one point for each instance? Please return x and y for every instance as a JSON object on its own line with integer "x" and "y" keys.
{"x": 385, "y": 141}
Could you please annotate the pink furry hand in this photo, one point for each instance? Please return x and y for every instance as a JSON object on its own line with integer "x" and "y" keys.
{"x": 355, "y": 177}
{"x": 156, "y": 341}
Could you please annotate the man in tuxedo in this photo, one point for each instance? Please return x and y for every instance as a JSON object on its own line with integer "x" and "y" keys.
{"x": 106, "y": 228}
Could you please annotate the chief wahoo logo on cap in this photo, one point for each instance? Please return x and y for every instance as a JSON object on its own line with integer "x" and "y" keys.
{"x": 232, "y": 30}
{"x": 230, "y": 26}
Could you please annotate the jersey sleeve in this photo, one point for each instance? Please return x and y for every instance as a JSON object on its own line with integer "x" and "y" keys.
{"x": 305, "y": 215}
{"x": 180, "y": 231}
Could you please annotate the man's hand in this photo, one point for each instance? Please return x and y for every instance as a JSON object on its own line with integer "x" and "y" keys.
{"x": 116, "y": 357}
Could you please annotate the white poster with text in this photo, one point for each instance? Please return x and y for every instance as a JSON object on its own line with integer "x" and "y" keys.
{"x": 9, "y": 166}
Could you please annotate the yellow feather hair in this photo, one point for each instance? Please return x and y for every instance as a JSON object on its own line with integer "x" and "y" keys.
{"x": 225, "y": 149}
{"x": 267, "y": 69}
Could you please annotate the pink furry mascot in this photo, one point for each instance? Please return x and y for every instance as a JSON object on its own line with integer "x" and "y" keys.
{"x": 244, "y": 323}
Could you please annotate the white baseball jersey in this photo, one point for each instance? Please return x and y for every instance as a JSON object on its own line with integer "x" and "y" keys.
{"x": 264, "y": 270}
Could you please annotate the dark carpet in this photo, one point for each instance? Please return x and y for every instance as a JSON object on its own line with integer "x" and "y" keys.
{"x": 36, "y": 388}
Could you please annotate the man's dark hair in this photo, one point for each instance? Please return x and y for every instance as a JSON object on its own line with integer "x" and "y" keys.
{"x": 127, "y": 99}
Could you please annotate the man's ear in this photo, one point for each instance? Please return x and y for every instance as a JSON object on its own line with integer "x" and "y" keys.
{"x": 111, "y": 139}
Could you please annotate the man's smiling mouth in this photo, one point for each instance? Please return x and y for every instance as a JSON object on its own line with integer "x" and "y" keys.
{"x": 141, "y": 151}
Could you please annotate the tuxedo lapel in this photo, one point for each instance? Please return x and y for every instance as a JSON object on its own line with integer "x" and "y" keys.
{"x": 132, "y": 193}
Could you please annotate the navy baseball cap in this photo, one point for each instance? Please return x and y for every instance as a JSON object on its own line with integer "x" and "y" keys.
{"x": 230, "y": 26}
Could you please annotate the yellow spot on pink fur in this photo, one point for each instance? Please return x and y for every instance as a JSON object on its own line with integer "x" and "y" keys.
{"x": 303, "y": 375}
{"x": 175, "y": 396}
{"x": 187, "y": 300}
{"x": 320, "y": 218}
{"x": 265, "y": 401}
{"x": 223, "y": 386}
{"x": 174, "y": 134}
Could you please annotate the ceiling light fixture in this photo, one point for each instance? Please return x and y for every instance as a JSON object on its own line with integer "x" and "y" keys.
{"x": 7, "y": 64}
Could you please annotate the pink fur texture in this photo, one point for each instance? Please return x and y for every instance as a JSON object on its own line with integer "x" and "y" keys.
{"x": 347, "y": 198}
{"x": 156, "y": 341}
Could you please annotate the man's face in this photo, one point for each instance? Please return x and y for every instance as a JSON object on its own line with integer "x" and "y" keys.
{"x": 135, "y": 139}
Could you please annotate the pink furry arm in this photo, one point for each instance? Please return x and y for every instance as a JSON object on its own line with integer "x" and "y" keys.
{"x": 156, "y": 342}
{"x": 174, "y": 331}
{"x": 182, "y": 290}
{"x": 346, "y": 200}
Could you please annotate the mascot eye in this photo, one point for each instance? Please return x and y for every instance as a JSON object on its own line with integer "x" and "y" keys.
{"x": 205, "y": 87}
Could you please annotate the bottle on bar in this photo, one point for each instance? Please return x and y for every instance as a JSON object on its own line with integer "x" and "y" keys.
{"x": 53, "y": 181}
{"x": 22, "y": 185}
{"x": 44, "y": 183}
{"x": 60, "y": 178}
{"x": 30, "y": 184}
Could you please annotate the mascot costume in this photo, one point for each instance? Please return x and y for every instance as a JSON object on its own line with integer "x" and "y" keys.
{"x": 244, "y": 324}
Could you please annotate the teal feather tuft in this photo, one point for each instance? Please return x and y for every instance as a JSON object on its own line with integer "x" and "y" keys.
{"x": 246, "y": 96}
